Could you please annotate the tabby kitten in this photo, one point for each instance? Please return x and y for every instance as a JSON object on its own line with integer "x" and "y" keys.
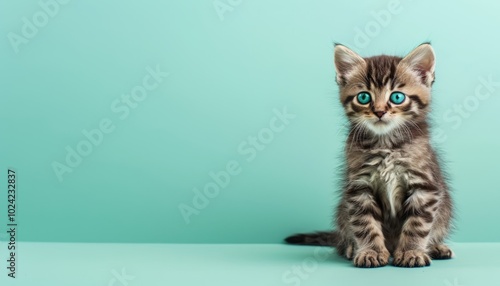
{"x": 395, "y": 200}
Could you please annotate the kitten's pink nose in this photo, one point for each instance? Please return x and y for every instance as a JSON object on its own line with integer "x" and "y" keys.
{"x": 379, "y": 113}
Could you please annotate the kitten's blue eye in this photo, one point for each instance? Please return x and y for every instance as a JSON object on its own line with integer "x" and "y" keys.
{"x": 397, "y": 97}
{"x": 364, "y": 97}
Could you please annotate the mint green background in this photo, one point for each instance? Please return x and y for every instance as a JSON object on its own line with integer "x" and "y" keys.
{"x": 83, "y": 264}
{"x": 226, "y": 77}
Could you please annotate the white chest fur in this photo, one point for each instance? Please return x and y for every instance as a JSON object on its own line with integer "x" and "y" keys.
{"x": 389, "y": 177}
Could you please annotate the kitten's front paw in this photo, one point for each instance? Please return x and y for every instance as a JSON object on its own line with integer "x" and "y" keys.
{"x": 411, "y": 258}
{"x": 370, "y": 258}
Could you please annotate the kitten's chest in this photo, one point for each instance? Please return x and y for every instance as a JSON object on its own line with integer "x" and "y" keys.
{"x": 389, "y": 177}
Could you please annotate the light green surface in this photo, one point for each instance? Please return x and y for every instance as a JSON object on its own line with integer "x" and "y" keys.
{"x": 225, "y": 79}
{"x": 55, "y": 264}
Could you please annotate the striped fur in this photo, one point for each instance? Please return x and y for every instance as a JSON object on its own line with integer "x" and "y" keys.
{"x": 395, "y": 200}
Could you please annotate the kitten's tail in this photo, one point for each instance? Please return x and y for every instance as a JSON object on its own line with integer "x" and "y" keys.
{"x": 320, "y": 238}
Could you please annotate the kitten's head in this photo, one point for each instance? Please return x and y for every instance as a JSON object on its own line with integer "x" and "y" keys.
{"x": 384, "y": 94}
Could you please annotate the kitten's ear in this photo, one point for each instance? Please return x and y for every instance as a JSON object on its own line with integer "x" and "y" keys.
{"x": 345, "y": 62}
{"x": 421, "y": 60}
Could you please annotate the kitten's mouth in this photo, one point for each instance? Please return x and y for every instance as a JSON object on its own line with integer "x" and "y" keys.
{"x": 382, "y": 127}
